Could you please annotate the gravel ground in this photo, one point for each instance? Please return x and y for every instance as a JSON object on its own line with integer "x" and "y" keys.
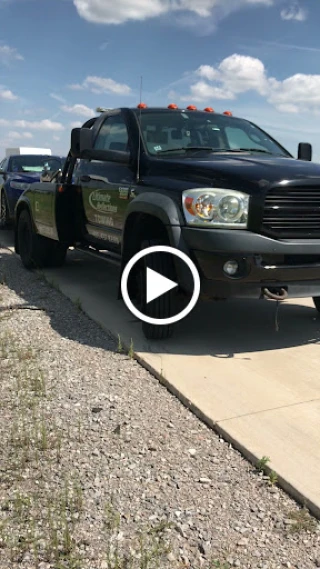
{"x": 88, "y": 433}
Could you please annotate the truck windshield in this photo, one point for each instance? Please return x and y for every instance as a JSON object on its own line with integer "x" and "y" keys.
{"x": 183, "y": 132}
{"x": 34, "y": 163}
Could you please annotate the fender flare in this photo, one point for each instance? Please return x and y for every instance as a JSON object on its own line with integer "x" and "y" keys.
{"x": 162, "y": 207}
{"x": 167, "y": 211}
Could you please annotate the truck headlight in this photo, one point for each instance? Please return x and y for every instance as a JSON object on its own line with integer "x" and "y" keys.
{"x": 19, "y": 186}
{"x": 216, "y": 207}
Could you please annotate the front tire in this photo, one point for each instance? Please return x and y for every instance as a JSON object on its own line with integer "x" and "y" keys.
{"x": 162, "y": 306}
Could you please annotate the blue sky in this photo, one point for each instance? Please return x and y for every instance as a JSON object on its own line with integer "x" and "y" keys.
{"x": 60, "y": 59}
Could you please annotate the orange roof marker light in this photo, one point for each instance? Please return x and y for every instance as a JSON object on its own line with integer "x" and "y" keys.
{"x": 142, "y": 106}
{"x": 172, "y": 106}
{"x": 228, "y": 113}
{"x": 209, "y": 110}
{"x": 192, "y": 108}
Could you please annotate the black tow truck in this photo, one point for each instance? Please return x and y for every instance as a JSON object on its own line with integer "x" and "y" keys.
{"x": 214, "y": 186}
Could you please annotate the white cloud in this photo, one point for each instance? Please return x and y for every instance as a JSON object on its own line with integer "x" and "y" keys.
{"x": 56, "y": 138}
{"x": 57, "y": 98}
{"x": 202, "y": 91}
{"x": 104, "y": 45}
{"x": 103, "y": 12}
{"x": 7, "y": 95}
{"x": 15, "y": 135}
{"x": 45, "y": 124}
{"x": 299, "y": 92}
{"x": 100, "y": 85}
{"x": 294, "y": 12}
{"x": 80, "y": 110}
{"x": 9, "y": 54}
{"x": 240, "y": 74}
{"x": 76, "y": 87}
{"x": 76, "y": 124}
{"x": 208, "y": 72}
{"x": 235, "y": 74}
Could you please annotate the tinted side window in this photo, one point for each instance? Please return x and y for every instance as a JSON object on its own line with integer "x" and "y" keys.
{"x": 113, "y": 135}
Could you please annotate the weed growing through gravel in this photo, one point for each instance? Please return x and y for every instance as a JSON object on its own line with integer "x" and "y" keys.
{"x": 262, "y": 463}
{"x": 302, "y": 521}
{"x": 120, "y": 346}
{"x": 146, "y": 550}
{"x": 273, "y": 478}
{"x": 53, "y": 284}
{"x": 131, "y": 350}
{"x": 262, "y": 466}
{"x": 78, "y": 304}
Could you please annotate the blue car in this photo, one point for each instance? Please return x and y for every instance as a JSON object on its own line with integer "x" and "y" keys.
{"x": 17, "y": 172}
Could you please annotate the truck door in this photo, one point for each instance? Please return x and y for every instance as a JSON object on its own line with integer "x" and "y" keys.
{"x": 106, "y": 186}
{"x": 43, "y": 198}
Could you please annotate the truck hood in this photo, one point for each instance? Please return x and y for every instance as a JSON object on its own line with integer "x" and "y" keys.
{"x": 245, "y": 171}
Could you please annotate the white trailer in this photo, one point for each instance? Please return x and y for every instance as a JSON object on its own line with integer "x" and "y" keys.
{"x": 25, "y": 150}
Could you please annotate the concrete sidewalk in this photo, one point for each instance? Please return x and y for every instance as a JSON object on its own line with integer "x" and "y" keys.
{"x": 260, "y": 388}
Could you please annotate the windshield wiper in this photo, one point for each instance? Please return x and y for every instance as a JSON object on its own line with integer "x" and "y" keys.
{"x": 255, "y": 150}
{"x": 210, "y": 149}
{"x": 217, "y": 150}
{"x": 186, "y": 149}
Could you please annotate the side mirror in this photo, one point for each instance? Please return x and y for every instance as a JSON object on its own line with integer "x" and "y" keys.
{"x": 86, "y": 141}
{"x": 87, "y": 150}
{"x": 75, "y": 142}
{"x": 305, "y": 151}
{"x": 107, "y": 156}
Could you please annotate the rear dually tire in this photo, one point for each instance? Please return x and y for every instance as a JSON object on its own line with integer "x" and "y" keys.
{"x": 36, "y": 251}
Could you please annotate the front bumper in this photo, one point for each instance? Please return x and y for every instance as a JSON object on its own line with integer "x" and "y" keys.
{"x": 263, "y": 263}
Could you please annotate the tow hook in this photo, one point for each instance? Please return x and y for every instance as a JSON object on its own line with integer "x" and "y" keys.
{"x": 278, "y": 294}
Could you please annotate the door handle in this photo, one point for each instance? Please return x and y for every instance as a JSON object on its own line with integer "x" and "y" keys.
{"x": 85, "y": 179}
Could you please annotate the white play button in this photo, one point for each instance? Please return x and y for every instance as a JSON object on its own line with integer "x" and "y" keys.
{"x": 157, "y": 285}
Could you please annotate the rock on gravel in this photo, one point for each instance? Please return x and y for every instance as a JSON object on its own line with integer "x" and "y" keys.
{"x": 94, "y": 450}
